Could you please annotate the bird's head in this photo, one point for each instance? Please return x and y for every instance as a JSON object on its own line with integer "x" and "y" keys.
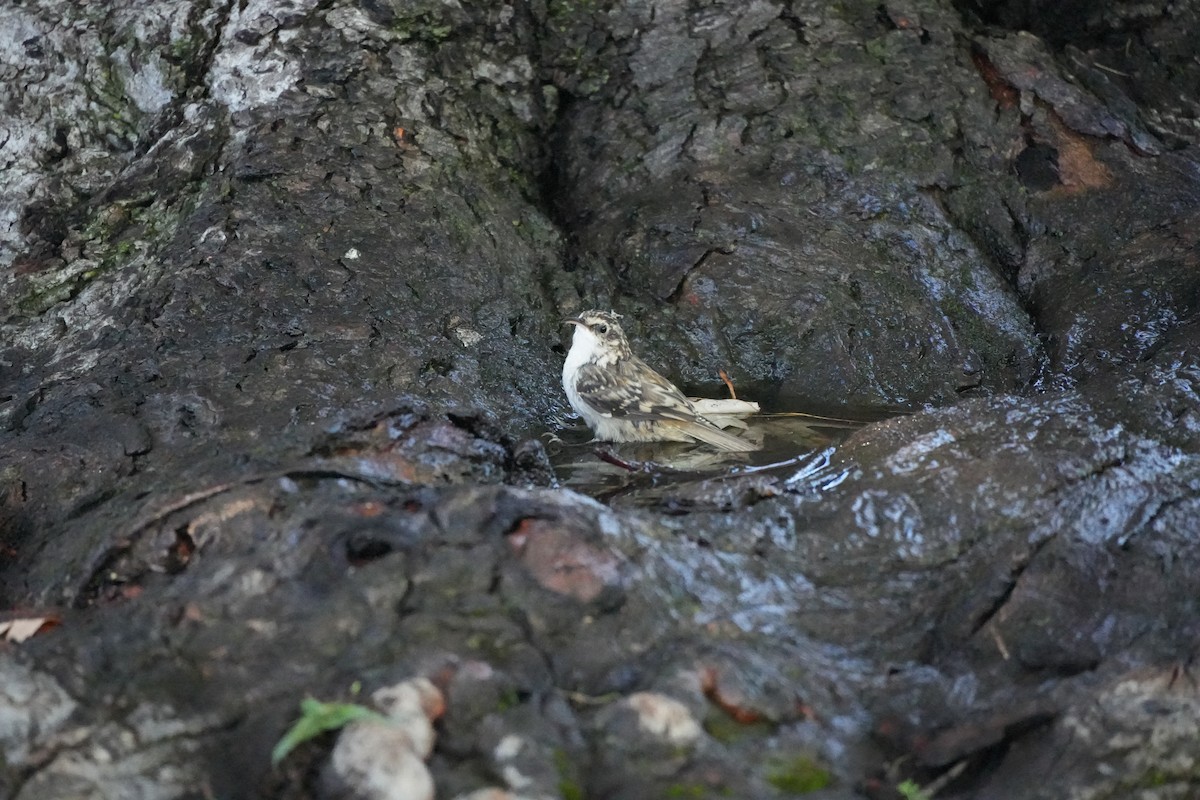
{"x": 599, "y": 331}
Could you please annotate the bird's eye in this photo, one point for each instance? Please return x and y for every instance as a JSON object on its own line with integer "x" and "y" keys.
{"x": 602, "y": 328}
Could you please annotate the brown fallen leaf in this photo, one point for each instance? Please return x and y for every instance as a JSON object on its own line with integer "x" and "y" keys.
{"x": 728, "y": 697}
{"x": 561, "y": 559}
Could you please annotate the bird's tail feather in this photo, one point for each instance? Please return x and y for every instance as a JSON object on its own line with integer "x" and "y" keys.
{"x": 710, "y": 434}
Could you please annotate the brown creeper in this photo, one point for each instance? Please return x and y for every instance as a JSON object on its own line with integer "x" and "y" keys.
{"x": 622, "y": 399}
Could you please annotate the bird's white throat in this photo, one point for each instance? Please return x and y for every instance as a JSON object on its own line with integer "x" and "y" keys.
{"x": 584, "y": 346}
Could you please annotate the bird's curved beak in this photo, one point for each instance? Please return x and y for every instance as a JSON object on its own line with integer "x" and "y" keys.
{"x": 573, "y": 321}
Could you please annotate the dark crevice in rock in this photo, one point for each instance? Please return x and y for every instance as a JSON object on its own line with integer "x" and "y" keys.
{"x": 674, "y": 295}
{"x": 362, "y": 549}
{"x": 550, "y": 181}
{"x": 179, "y": 554}
{"x": 102, "y": 576}
{"x": 964, "y": 758}
{"x": 990, "y": 613}
{"x": 89, "y": 504}
{"x": 1082, "y": 23}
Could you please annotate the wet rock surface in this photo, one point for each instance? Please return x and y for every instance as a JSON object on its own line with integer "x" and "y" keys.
{"x": 279, "y": 298}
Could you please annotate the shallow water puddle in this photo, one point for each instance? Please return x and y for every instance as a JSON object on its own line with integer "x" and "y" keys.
{"x": 678, "y": 477}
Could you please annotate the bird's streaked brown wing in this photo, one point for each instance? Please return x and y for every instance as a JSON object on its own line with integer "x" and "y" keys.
{"x": 632, "y": 390}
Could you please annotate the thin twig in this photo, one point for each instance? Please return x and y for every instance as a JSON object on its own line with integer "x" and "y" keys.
{"x": 854, "y": 423}
{"x": 610, "y": 457}
{"x": 728, "y": 384}
{"x": 185, "y": 501}
{"x": 581, "y": 699}
{"x": 1000, "y": 645}
{"x": 1111, "y": 70}
{"x": 933, "y": 787}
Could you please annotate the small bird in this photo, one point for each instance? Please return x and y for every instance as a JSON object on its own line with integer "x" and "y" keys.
{"x": 622, "y": 399}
